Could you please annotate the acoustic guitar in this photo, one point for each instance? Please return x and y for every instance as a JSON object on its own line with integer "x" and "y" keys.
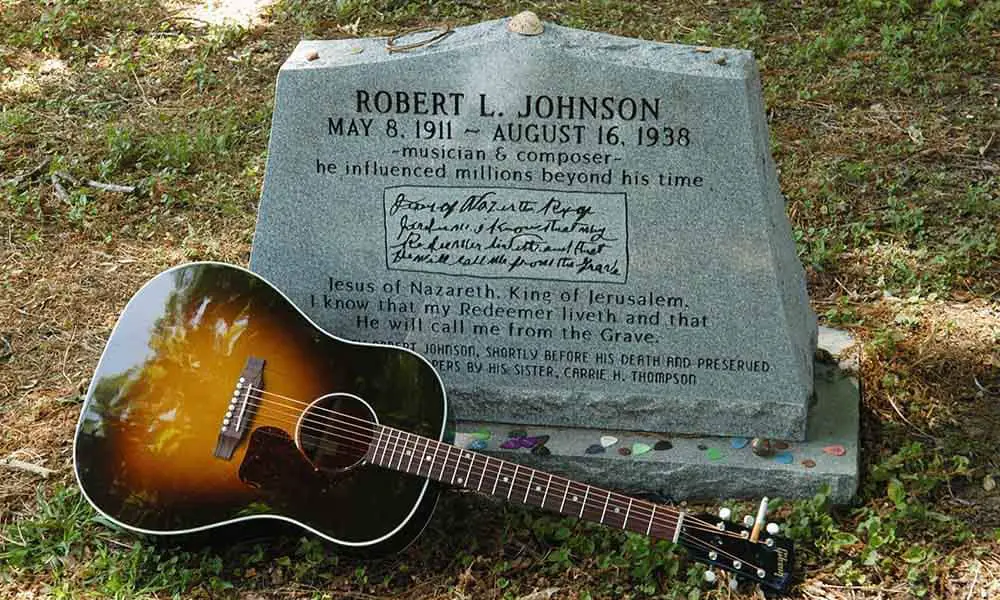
{"x": 217, "y": 402}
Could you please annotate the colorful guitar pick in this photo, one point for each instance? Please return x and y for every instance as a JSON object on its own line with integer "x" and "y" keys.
{"x": 594, "y": 449}
{"x": 608, "y": 440}
{"x": 640, "y": 448}
{"x": 482, "y": 434}
{"x": 624, "y": 451}
{"x": 784, "y": 458}
{"x": 477, "y": 445}
{"x": 739, "y": 442}
{"x": 511, "y": 444}
{"x": 835, "y": 450}
{"x": 713, "y": 454}
{"x": 808, "y": 463}
{"x": 663, "y": 445}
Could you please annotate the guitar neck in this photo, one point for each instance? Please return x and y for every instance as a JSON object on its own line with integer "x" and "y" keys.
{"x": 410, "y": 453}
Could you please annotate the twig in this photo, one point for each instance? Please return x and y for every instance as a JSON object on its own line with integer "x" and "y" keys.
{"x": 975, "y": 580}
{"x": 907, "y": 421}
{"x": 68, "y": 177}
{"x": 59, "y": 189}
{"x": 26, "y": 466}
{"x": 17, "y": 181}
{"x": 141, "y": 90}
{"x": 111, "y": 187}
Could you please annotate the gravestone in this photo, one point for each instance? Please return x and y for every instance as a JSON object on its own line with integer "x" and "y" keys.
{"x": 577, "y": 229}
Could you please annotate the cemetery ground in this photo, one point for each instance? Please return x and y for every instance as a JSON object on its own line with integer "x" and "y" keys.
{"x": 885, "y": 123}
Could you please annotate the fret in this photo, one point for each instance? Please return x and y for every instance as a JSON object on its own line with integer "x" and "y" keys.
{"x": 605, "y": 511}
{"x": 583, "y": 504}
{"x": 493, "y": 492}
{"x": 384, "y": 448}
{"x": 652, "y": 515}
{"x": 627, "y": 511}
{"x": 444, "y": 463}
{"x": 458, "y": 464}
{"x": 565, "y": 493}
{"x": 437, "y": 448}
{"x": 374, "y": 449}
{"x": 412, "y": 454}
{"x": 402, "y": 451}
{"x": 395, "y": 446}
{"x": 486, "y": 464}
{"x": 513, "y": 480}
{"x": 472, "y": 461}
{"x": 528, "y": 491}
{"x": 545, "y": 495}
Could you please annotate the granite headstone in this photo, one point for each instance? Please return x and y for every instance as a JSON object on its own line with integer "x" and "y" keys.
{"x": 577, "y": 229}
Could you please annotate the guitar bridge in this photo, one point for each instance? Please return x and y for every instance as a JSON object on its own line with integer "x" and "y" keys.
{"x": 241, "y": 408}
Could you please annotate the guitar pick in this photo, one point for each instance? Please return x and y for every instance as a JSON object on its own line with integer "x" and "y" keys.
{"x": 526, "y": 442}
{"x": 608, "y": 440}
{"x": 624, "y": 451}
{"x": 540, "y": 440}
{"x": 835, "y": 450}
{"x": 784, "y": 458}
{"x": 739, "y": 442}
{"x": 482, "y": 434}
{"x": 594, "y": 449}
{"x": 781, "y": 445}
{"x": 477, "y": 445}
{"x": 713, "y": 454}
{"x": 808, "y": 463}
{"x": 639, "y": 448}
{"x": 511, "y": 444}
{"x": 663, "y": 445}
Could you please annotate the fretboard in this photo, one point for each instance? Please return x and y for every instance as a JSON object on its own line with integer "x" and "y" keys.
{"x": 410, "y": 453}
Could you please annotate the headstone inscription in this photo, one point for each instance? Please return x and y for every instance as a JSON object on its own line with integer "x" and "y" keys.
{"x": 577, "y": 229}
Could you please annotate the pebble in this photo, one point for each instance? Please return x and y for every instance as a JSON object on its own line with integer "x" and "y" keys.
{"x": 624, "y": 451}
{"x": 781, "y": 445}
{"x": 808, "y": 463}
{"x": 595, "y": 449}
{"x": 702, "y": 447}
{"x": 762, "y": 447}
{"x": 663, "y": 445}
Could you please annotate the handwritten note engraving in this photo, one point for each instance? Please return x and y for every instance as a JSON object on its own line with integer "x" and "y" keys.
{"x": 507, "y": 233}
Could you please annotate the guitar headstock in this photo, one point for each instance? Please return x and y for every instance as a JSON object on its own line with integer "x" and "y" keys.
{"x": 719, "y": 542}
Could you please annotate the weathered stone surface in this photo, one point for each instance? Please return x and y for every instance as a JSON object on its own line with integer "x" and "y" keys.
{"x": 686, "y": 471}
{"x": 577, "y": 229}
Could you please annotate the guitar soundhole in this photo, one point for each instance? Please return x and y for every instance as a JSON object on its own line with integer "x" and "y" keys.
{"x": 335, "y": 431}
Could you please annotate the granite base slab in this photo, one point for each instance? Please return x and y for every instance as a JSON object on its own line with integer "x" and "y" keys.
{"x": 699, "y": 467}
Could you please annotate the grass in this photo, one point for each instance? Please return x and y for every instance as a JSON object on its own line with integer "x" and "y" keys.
{"x": 885, "y": 122}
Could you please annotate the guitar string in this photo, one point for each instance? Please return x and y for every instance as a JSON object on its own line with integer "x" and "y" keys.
{"x": 365, "y": 427}
{"x": 663, "y": 522}
{"x": 666, "y": 523}
{"x": 365, "y": 443}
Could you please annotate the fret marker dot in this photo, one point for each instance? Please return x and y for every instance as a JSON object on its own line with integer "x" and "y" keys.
{"x": 459, "y": 480}
{"x": 576, "y": 498}
{"x": 506, "y": 479}
{"x": 617, "y": 510}
{"x": 426, "y": 457}
{"x": 409, "y": 452}
{"x": 538, "y": 488}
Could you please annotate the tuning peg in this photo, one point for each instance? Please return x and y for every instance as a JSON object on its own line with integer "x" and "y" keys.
{"x": 710, "y": 576}
{"x": 748, "y": 521}
{"x": 773, "y": 528}
{"x": 725, "y": 513}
